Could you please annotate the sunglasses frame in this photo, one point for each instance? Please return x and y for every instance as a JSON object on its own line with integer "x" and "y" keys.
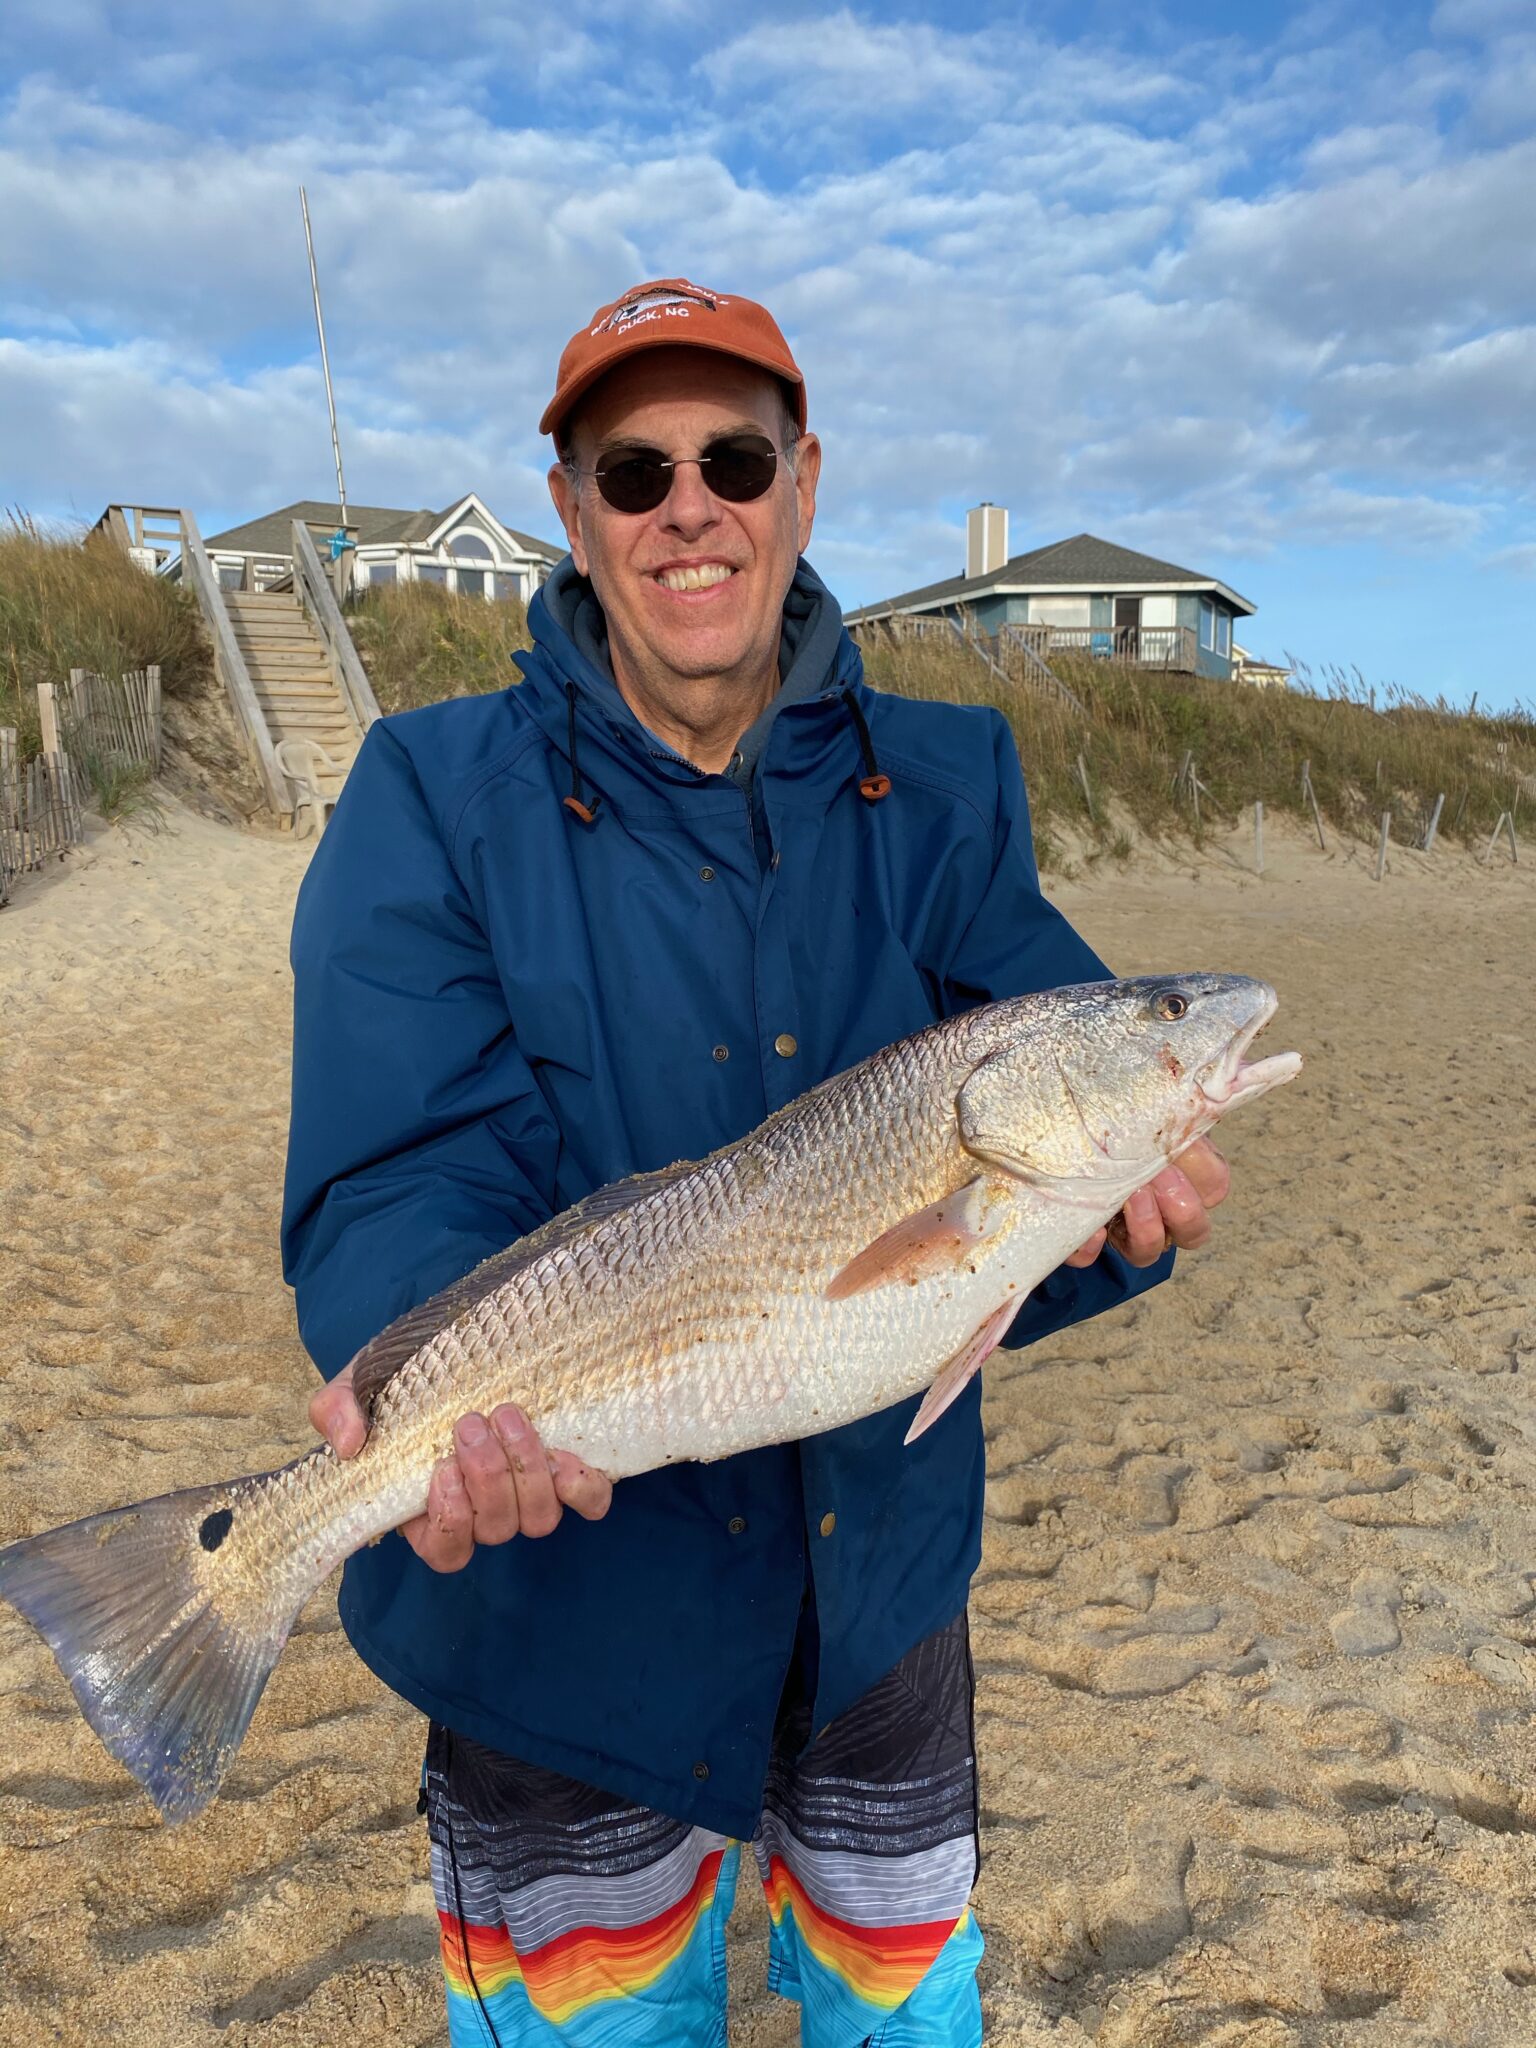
{"x": 668, "y": 463}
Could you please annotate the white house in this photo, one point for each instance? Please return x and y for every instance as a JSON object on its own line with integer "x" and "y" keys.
{"x": 465, "y": 548}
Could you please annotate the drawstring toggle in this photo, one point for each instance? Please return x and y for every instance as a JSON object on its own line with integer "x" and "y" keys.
{"x": 587, "y": 812}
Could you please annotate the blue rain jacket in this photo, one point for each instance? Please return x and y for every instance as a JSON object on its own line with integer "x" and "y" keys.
{"x": 499, "y": 1007}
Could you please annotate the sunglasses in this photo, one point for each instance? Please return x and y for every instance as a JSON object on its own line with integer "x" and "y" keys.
{"x": 736, "y": 467}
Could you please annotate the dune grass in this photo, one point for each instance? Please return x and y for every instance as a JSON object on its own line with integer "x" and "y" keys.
{"x": 420, "y": 644}
{"x": 68, "y": 601}
{"x": 1368, "y": 751}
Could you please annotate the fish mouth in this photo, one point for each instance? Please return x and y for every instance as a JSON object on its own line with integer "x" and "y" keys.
{"x": 1232, "y": 1079}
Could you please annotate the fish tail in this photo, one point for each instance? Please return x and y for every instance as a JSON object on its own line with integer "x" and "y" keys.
{"x": 165, "y": 1650}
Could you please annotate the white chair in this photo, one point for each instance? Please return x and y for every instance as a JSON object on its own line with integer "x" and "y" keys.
{"x": 304, "y": 762}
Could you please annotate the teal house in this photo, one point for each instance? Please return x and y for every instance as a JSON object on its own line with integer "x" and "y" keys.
{"x": 1082, "y": 594}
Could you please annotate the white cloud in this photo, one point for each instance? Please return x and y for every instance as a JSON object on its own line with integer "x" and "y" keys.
{"x": 1294, "y": 305}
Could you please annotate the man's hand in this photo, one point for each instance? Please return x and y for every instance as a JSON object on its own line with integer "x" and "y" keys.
{"x": 1172, "y": 1209}
{"x": 500, "y": 1482}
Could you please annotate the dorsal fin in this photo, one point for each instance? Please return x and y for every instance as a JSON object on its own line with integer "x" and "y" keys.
{"x": 380, "y": 1359}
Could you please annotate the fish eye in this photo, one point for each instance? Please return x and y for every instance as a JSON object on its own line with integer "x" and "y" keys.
{"x": 1170, "y": 1006}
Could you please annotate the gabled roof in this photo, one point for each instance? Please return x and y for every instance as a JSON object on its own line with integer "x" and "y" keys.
{"x": 1083, "y": 563}
{"x": 375, "y": 525}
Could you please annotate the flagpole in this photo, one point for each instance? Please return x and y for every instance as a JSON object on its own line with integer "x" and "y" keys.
{"x": 325, "y": 360}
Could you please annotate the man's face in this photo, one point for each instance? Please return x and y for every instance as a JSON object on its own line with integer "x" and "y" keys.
{"x": 678, "y": 400}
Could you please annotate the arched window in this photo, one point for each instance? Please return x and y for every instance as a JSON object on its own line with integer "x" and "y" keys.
{"x": 470, "y": 547}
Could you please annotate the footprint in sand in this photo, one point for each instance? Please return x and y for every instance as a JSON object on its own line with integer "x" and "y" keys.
{"x": 1368, "y": 1626}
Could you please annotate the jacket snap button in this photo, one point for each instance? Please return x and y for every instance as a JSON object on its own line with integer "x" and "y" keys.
{"x": 737, "y": 1525}
{"x": 722, "y": 1052}
{"x": 786, "y": 1045}
{"x": 701, "y": 1771}
{"x": 828, "y": 1524}
{"x": 706, "y": 874}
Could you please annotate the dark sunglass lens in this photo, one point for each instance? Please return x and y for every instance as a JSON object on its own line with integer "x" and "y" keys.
{"x": 635, "y": 483}
{"x": 740, "y": 467}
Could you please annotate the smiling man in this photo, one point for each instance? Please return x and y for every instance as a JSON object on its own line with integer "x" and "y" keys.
{"x": 614, "y": 916}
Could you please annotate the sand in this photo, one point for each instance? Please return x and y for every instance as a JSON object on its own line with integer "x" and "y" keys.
{"x": 1255, "y": 1628}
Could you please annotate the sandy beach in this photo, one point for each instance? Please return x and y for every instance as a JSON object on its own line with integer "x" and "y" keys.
{"x": 1255, "y": 1628}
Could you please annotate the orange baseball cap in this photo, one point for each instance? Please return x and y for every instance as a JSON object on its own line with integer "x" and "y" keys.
{"x": 667, "y": 313}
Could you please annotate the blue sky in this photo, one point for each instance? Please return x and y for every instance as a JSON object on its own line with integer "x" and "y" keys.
{"x": 1251, "y": 289}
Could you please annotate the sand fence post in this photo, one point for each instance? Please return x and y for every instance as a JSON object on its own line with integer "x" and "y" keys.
{"x": 12, "y": 860}
{"x": 48, "y": 717}
{"x": 1082, "y": 776}
{"x": 1258, "y": 838}
{"x": 1428, "y": 841}
{"x": 1504, "y": 823}
{"x": 1311, "y": 796}
{"x": 1381, "y": 844}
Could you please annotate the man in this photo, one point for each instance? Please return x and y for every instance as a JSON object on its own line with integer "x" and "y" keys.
{"x": 684, "y": 870}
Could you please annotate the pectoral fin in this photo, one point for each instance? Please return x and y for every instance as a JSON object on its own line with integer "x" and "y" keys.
{"x": 933, "y": 1240}
{"x": 970, "y": 1358}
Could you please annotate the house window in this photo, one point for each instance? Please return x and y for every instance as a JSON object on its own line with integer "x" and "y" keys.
{"x": 380, "y": 573}
{"x": 1223, "y": 633}
{"x": 509, "y": 585}
{"x": 231, "y": 575}
{"x": 1159, "y": 611}
{"x": 470, "y": 547}
{"x": 431, "y": 572}
{"x": 1207, "y": 625}
{"x": 1059, "y": 611}
{"x": 470, "y": 582}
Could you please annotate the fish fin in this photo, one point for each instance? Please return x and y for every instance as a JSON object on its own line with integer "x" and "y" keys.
{"x": 129, "y": 1604}
{"x": 954, "y": 1374}
{"x": 382, "y": 1357}
{"x": 932, "y": 1240}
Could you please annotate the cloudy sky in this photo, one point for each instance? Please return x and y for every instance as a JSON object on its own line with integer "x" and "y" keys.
{"x": 1258, "y": 299}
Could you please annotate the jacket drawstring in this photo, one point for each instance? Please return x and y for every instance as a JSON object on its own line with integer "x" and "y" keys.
{"x": 586, "y": 812}
{"x": 872, "y": 784}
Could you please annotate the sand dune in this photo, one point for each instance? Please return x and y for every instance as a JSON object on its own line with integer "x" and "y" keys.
{"x": 1256, "y": 1628}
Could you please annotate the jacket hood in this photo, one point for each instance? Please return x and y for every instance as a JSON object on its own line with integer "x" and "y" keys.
{"x": 568, "y": 682}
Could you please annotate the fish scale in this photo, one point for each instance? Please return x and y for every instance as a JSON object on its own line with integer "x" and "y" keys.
{"x": 869, "y": 1240}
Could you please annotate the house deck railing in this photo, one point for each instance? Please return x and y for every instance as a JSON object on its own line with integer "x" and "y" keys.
{"x": 1170, "y": 647}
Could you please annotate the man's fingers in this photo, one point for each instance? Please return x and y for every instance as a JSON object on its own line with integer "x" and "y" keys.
{"x": 589, "y": 1493}
{"x": 1138, "y": 1231}
{"x": 444, "y": 1536}
{"x": 487, "y": 1478}
{"x": 1183, "y": 1213}
{"x": 1207, "y": 1171}
{"x": 335, "y": 1413}
{"x": 1087, "y": 1253}
{"x": 538, "y": 1508}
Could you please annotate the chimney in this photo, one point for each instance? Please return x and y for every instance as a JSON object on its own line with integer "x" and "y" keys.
{"x": 986, "y": 539}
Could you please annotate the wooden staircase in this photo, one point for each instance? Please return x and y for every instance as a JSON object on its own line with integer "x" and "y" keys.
{"x": 295, "y": 687}
{"x": 285, "y": 657}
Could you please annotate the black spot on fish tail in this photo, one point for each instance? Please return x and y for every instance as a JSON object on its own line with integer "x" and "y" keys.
{"x": 215, "y": 1528}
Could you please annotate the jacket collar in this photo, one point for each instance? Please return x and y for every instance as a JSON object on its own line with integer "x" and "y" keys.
{"x": 568, "y": 683}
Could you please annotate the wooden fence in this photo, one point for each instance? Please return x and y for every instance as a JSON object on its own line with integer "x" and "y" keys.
{"x": 89, "y": 718}
{"x": 92, "y": 717}
{"x": 39, "y": 809}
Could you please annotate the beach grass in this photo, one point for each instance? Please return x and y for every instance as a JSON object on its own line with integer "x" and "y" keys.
{"x": 72, "y": 601}
{"x": 1367, "y": 751}
{"x": 421, "y": 643}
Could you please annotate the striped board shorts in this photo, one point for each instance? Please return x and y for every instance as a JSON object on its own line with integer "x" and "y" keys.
{"x": 573, "y": 1919}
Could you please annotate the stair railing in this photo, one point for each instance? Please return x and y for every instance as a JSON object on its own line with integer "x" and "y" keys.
{"x": 314, "y": 588}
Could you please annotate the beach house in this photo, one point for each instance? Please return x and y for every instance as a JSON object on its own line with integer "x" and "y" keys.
{"x": 1081, "y": 594}
{"x": 465, "y": 548}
